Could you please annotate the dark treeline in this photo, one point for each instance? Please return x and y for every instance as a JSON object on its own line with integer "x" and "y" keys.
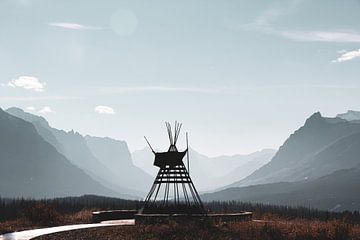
{"x": 11, "y": 209}
{"x": 283, "y": 211}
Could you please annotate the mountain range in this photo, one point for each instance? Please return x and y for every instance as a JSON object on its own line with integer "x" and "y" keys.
{"x": 317, "y": 166}
{"x": 109, "y": 163}
{"x": 86, "y": 153}
{"x": 209, "y": 173}
{"x": 321, "y": 146}
{"x": 338, "y": 191}
{"x": 32, "y": 167}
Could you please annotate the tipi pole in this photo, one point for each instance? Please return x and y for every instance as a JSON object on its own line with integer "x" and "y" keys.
{"x": 187, "y": 152}
{"x": 149, "y": 145}
{"x": 197, "y": 195}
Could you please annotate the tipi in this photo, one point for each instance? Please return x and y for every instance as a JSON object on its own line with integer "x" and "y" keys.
{"x": 173, "y": 190}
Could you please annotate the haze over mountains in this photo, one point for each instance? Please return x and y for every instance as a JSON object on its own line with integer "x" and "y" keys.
{"x": 108, "y": 150}
{"x": 350, "y": 115}
{"x": 108, "y": 163}
{"x": 321, "y": 146}
{"x": 209, "y": 173}
{"x": 75, "y": 147}
{"x": 318, "y": 165}
{"x": 32, "y": 167}
{"x": 337, "y": 191}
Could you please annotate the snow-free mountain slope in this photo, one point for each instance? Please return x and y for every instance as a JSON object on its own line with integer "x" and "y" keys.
{"x": 318, "y": 148}
{"x": 74, "y": 147}
{"x": 337, "y": 191}
{"x": 115, "y": 156}
{"x": 32, "y": 167}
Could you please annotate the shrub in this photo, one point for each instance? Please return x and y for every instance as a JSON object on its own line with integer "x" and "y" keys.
{"x": 43, "y": 214}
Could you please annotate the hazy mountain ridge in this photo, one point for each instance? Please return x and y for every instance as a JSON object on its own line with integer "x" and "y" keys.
{"x": 350, "y": 115}
{"x": 40, "y": 123}
{"x": 306, "y": 148}
{"x": 317, "y": 166}
{"x": 74, "y": 146}
{"x": 144, "y": 159}
{"x": 210, "y": 173}
{"x": 337, "y": 191}
{"x": 32, "y": 167}
{"x": 77, "y": 151}
{"x": 108, "y": 150}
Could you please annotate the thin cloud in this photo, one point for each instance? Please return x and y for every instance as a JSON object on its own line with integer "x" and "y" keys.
{"x": 73, "y": 26}
{"x": 264, "y": 22}
{"x": 104, "y": 110}
{"x": 305, "y": 86}
{"x": 46, "y": 110}
{"x": 163, "y": 89}
{"x": 40, "y": 98}
{"x": 302, "y": 36}
{"x": 265, "y": 19}
{"x": 347, "y": 56}
{"x": 342, "y": 51}
{"x": 272, "y": 14}
{"x": 232, "y": 91}
{"x": 28, "y": 83}
{"x": 322, "y": 36}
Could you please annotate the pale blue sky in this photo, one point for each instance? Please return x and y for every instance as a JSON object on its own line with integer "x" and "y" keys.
{"x": 240, "y": 75}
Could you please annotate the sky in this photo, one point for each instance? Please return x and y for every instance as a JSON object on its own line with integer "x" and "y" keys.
{"x": 240, "y": 75}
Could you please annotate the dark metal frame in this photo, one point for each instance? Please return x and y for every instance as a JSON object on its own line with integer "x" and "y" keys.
{"x": 174, "y": 179}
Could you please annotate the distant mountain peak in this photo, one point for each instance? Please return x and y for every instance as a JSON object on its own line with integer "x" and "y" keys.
{"x": 314, "y": 118}
{"x": 350, "y": 115}
{"x": 18, "y": 112}
{"x": 319, "y": 147}
{"x": 316, "y": 115}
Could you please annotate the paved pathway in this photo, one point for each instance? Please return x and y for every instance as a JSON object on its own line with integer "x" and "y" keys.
{"x": 29, "y": 234}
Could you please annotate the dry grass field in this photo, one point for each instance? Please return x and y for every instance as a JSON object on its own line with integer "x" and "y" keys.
{"x": 278, "y": 229}
{"x": 42, "y": 215}
{"x": 275, "y": 222}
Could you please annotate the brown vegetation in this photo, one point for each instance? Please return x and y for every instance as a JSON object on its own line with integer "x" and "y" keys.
{"x": 279, "y": 229}
{"x": 21, "y": 214}
{"x": 42, "y": 215}
{"x": 277, "y": 222}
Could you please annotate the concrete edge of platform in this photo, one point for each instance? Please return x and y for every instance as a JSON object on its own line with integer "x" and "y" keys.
{"x": 148, "y": 218}
{"x": 214, "y": 217}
